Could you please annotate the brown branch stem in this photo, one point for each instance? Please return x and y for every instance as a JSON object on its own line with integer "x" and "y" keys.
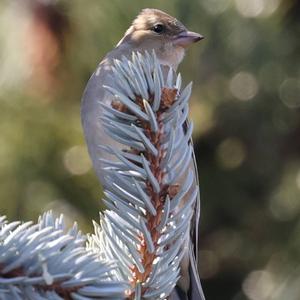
{"x": 65, "y": 293}
{"x": 157, "y": 199}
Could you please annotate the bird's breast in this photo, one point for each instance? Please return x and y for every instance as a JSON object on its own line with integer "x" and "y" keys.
{"x": 170, "y": 55}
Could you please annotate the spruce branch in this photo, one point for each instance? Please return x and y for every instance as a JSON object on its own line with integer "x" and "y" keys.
{"x": 153, "y": 187}
{"x": 47, "y": 261}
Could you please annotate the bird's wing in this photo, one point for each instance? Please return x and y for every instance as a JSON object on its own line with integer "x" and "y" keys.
{"x": 94, "y": 96}
{"x": 194, "y": 291}
{"x": 90, "y": 114}
{"x": 195, "y": 230}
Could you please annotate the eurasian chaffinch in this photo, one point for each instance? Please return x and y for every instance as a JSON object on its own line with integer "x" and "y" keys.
{"x": 151, "y": 30}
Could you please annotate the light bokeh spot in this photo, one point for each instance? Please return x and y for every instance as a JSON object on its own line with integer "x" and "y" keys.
{"x": 209, "y": 263}
{"x": 256, "y": 8}
{"x": 202, "y": 115}
{"x": 289, "y": 92}
{"x": 77, "y": 161}
{"x": 231, "y": 153}
{"x": 258, "y": 285}
{"x": 243, "y": 86}
{"x": 216, "y": 7}
{"x": 285, "y": 201}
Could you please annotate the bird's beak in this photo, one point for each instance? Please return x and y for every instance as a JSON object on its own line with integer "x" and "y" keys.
{"x": 186, "y": 38}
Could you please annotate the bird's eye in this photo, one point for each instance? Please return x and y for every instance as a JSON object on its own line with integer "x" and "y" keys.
{"x": 158, "y": 28}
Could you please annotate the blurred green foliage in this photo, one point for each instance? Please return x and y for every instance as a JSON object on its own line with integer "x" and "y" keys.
{"x": 245, "y": 108}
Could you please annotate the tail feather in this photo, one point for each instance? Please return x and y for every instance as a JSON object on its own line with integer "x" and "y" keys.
{"x": 195, "y": 291}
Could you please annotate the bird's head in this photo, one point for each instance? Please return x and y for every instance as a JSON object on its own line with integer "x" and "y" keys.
{"x": 154, "y": 29}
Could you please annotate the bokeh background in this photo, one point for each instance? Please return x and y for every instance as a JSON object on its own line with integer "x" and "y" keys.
{"x": 245, "y": 107}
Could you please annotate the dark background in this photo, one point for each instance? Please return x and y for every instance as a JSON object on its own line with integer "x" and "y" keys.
{"x": 245, "y": 107}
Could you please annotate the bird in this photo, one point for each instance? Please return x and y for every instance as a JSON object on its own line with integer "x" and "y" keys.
{"x": 152, "y": 29}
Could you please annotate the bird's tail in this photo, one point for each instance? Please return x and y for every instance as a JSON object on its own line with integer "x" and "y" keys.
{"x": 195, "y": 291}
